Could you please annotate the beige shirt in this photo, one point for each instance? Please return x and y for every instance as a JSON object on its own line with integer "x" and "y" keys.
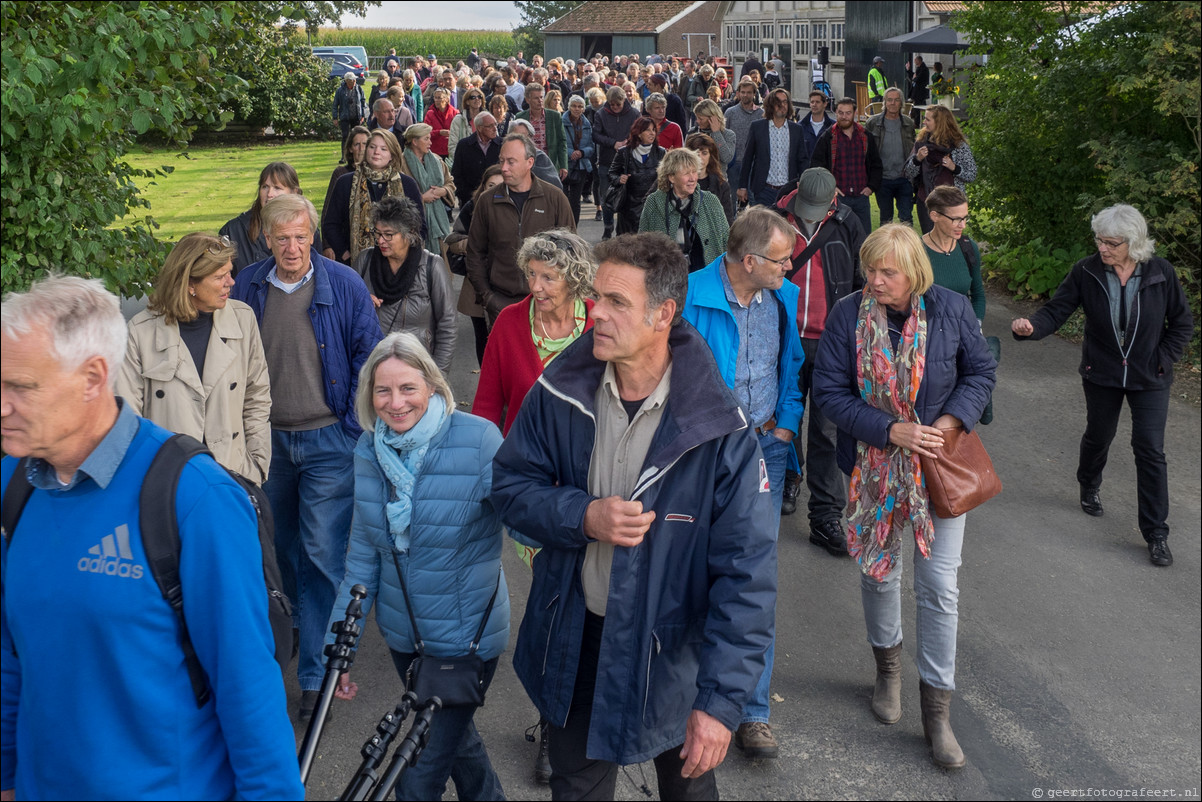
{"x": 621, "y": 449}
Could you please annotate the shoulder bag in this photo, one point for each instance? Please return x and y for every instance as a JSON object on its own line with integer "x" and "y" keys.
{"x": 456, "y": 681}
{"x": 963, "y": 477}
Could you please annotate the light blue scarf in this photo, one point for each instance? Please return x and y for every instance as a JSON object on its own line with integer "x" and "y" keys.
{"x": 401, "y": 456}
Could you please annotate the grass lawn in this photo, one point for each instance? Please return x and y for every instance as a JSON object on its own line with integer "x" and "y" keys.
{"x": 211, "y": 184}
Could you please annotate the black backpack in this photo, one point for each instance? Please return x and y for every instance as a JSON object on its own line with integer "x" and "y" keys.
{"x": 160, "y": 540}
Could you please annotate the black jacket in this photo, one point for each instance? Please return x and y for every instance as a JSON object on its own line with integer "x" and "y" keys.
{"x": 821, "y": 157}
{"x": 1159, "y": 328}
{"x": 757, "y": 158}
{"x": 470, "y": 164}
{"x": 639, "y": 186}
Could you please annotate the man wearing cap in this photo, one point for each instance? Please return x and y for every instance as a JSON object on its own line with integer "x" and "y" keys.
{"x": 350, "y": 107}
{"x": 876, "y": 81}
{"x": 826, "y": 262}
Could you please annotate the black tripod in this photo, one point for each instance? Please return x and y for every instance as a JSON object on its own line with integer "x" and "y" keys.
{"x": 367, "y": 784}
{"x": 341, "y": 654}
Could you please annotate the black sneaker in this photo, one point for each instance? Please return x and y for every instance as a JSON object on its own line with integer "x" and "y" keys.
{"x": 1091, "y": 501}
{"x": 1158, "y": 552}
{"x": 308, "y": 705}
{"x": 788, "y": 502}
{"x": 829, "y": 535}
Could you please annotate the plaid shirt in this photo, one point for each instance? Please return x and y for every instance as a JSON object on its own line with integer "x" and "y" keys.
{"x": 849, "y": 159}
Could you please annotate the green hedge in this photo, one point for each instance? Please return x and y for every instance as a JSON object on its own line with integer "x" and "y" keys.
{"x": 447, "y": 45}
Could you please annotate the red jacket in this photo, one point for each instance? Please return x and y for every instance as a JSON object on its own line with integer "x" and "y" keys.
{"x": 670, "y": 136}
{"x": 511, "y": 365}
{"x": 440, "y": 121}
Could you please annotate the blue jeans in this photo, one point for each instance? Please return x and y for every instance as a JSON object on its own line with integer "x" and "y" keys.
{"x": 454, "y": 751}
{"x": 859, "y": 204}
{"x": 937, "y": 596}
{"x": 776, "y": 457}
{"x": 311, "y": 487}
{"x": 901, "y": 191}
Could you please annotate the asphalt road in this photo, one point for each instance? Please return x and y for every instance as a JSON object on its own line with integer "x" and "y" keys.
{"x": 1078, "y": 664}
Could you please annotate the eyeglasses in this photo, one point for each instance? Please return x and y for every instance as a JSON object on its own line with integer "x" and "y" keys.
{"x": 1109, "y": 244}
{"x": 785, "y": 262}
{"x": 384, "y": 235}
{"x": 955, "y": 220}
{"x": 223, "y": 244}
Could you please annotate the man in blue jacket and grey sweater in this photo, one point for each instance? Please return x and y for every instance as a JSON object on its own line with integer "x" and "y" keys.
{"x": 744, "y": 308}
{"x": 652, "y": 604}
{"x": 319, "y": 326}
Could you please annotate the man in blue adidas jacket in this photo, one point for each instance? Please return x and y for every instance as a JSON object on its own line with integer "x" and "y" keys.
{"x": 744, "y": 308}
{"x": 651, "y": 607}
{"x": 97, "y": 701}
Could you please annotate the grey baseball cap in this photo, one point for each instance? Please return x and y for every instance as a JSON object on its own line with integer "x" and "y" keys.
{"x": 815, "y": 191}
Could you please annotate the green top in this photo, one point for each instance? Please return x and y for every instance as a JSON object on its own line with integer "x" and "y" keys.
{"x": 951, "y": 271}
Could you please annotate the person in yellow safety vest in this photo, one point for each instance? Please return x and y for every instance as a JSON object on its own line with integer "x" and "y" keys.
{"x": 876, "y": 81}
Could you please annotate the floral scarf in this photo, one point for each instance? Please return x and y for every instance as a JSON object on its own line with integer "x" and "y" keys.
{"x": 887, "y": 488}
{"x": 362, "y": 202}
{"x": 401, "y": 455}
{"x": 547, "y": 348}
{"x": 427, "y": 172}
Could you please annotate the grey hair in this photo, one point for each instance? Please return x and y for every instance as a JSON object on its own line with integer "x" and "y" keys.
{"x": 401, "y": 213}
{"x": 409, "y": 74}
{"x": 283, "y": 209}
{"x": 615, "y": 93}
{"x": 82, "y": 318}
{"x": 406, "y": 347}
{"x": 752, "y": 231}
{"x": 1128, "y": 224}
{"x": 533, "y": 87}
{"x": 570, "y": 255}
{"x": 577, "y": 99}
{"x": 376, "y": 106}
{"x": 655, "y": 98}
{"x": 894, "y": 89}
{"x": 483, "y": 117}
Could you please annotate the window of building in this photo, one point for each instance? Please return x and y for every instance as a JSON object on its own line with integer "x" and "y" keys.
{"x": 766, "y": 32}
{"x": 802, "y": 43}
{"x": 837, "y": 40}
{"x": 817, "y": 37}
{"x": 785, "y": 33}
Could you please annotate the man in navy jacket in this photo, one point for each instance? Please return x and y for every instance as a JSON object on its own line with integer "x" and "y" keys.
{"x": 772, "y": 160}
{"x": 319, "y": 326}
{"x": 652, "y": 601}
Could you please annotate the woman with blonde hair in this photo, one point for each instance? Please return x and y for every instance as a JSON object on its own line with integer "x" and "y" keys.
{"x": 684, "y": 212}
{"x": 346, "y": 227}
{"x": 712, "y": 122}
{"x": 194, "y": 360}
{"x": 941, "y": 157}
{"x": 901, "y": 362}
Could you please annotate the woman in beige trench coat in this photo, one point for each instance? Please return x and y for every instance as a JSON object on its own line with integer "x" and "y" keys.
{"x": 194, "y": 361}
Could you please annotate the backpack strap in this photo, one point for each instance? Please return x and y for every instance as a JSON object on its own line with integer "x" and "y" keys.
{"x": 160, "y": 540}
{"x": 16, "y": 495}
{"x": 970, "y": 255}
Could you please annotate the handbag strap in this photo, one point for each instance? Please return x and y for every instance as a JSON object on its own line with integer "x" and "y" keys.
{"x": 421, "y": 646}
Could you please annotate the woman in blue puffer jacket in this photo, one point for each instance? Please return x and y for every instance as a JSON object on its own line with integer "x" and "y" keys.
{"x": 423, "y": 474}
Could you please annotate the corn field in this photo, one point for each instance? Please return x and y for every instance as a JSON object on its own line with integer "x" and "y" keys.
{"x": 447, "y": 45}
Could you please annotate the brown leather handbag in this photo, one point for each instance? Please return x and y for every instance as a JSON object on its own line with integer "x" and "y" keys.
{"x": 963, "y": 477}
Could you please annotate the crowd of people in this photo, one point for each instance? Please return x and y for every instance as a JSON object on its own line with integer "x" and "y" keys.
{"x": 636, "y": 428}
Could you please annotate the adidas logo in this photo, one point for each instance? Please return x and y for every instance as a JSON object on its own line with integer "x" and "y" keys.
{"x": 112, "y": 557}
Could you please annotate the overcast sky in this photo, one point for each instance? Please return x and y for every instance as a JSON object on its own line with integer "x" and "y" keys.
{"x": 500, "y": 16}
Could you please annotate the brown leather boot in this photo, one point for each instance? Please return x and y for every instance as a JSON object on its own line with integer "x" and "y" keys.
{"x": 886, "y": 696}
{"x": 937, "y": 727}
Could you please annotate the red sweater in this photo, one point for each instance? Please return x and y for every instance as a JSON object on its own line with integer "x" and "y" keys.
{"x": 511, "y": 365}
{"x": 670, "y": 136}
{"x": 440, "y": 121}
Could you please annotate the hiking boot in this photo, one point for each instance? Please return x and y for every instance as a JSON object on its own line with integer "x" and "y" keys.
{"x": 937, "y": 727}
{"x": 1158, "y": 552}
{"x": 756, "y": 740}
{"x": 609, "y": 232}
{"x": 886, "y": 695}
{"x": 788, "y": 502}
{"x": 308, "y": 704}
{"x": 1091, "y": 501}
{"x": 829, "y": 535}
{"x": 542, "y": 761}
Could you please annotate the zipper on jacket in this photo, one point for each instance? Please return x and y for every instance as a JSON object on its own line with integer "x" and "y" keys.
{"x": 638, "y": 490}
{"x": 1124, "y": 352}
{"x": 652, "y": 652}
{"x": 550, "y": 629}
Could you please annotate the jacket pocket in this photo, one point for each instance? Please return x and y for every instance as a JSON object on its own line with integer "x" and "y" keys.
{"x": 671, "y": 674}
